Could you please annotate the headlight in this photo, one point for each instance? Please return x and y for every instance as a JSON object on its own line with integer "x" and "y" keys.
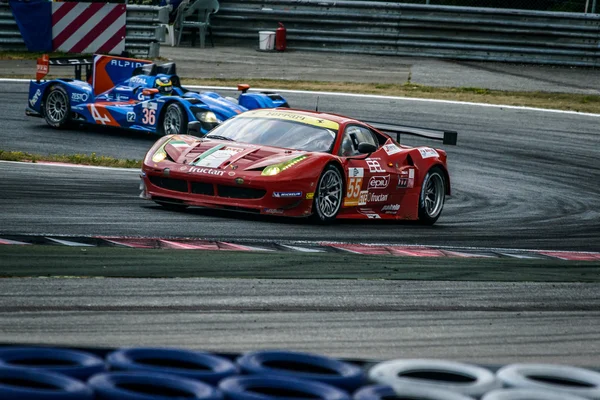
{"x": 277, "y": 168}
{"x": 207, "y": 116}
{"x": 160, "y": 155}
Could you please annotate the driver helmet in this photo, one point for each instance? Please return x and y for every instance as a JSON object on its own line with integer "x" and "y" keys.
{"x": 164, "y": 85}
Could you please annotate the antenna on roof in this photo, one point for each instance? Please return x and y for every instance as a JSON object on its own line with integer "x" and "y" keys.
{"x": 317, "y": 107}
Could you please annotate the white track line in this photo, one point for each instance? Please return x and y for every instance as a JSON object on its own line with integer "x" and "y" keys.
{"x": 374, "y": 96}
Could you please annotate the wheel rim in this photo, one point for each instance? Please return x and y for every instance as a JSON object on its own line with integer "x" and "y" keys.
{"x": 329, "y": 197}
{"x": 56, "y": 106}
{"x": 433, "y": 196}
{"x": 173, "y": 119}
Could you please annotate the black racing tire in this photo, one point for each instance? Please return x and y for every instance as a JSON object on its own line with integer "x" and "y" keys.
{"x": 205, "y": 367}
{"x": 32, "y": 384}
{"x": 252, "y": 387}
{"x": 172, "y": 206}
{"x": 329, "y": 195}
{"x": 432, "y": 197}
{"x": 57, "y": 107}
{"x": 174, "y": 120}
{"x": 138, "y": 385}
{"x": 300, "y": 365}
{"x": 73, "y": 363}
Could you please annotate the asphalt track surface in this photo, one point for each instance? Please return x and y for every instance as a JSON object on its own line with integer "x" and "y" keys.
{"x": 488, "y": 323}
{"x": 520, "y": 179}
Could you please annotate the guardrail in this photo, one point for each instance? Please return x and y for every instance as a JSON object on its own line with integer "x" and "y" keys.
{"x": 383, "y": 28}
{"x": 142, "y": 39}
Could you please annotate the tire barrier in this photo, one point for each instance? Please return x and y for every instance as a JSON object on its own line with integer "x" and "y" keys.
{"x": 384, "y": 392}
{"x": 556, "y": 378}
{"x": 143, "y": 385}
{"x": 205, "y": 367}
{"x": 46, "y": 373}
{"x": 255, "y": 387}
{"x": 31, "y": 384}
{"x": 528, "y": 394}
{"x": 76, "y": 364}
{"x": 303, "y": 366}
{"x": 457, "y": 377}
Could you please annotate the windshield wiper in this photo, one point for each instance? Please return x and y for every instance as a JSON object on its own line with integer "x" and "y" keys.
{"x": 219, "y": 137}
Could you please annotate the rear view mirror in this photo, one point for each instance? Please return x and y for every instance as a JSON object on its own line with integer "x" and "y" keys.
{"x": 149, "y": 92}
{"x": 366, "y": 148}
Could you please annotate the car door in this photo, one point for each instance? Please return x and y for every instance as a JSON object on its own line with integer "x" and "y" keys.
{"x": 370, "y": 178}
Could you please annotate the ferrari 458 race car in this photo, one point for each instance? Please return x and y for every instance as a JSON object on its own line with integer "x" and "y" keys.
{"x": 298, "y": 164}
{"x": 134, "y": 94}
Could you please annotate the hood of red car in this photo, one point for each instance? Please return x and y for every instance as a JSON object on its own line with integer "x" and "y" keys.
{"x": 221, "y": 154}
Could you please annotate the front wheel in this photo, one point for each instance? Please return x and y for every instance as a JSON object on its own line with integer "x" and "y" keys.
{"x": 329, "y": 195}
{"x": 57, "y": 108}
{"x": 175, "y": 120}
{"x": 433, "y": 194}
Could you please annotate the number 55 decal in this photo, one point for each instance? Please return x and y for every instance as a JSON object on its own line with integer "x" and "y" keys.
{"x": 355, "y": 180}
{"x": 149, "y": 116}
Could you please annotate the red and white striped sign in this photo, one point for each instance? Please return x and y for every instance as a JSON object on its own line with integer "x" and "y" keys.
{"x": 88, "y": 27}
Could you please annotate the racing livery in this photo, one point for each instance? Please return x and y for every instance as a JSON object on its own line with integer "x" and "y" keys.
{"x": 134, "y": 94}
{"x": 301, "y": 163}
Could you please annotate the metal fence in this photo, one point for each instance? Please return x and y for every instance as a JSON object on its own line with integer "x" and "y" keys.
{"x": 370, "y": 27}
{"x": 143, "y": 36}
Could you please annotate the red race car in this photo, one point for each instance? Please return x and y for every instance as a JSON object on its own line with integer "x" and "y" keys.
{"x": 298, "y": 164}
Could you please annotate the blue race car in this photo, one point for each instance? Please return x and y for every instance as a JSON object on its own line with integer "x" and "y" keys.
{"x": 134, "y": 94}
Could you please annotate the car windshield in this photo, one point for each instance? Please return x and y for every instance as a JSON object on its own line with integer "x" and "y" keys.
{"x": 278, "y": 132}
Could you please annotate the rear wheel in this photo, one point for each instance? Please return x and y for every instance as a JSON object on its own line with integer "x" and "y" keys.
{"x": 433, "y": 194}
{"x": 329, "y": 195}
{"x": 175, "y": 120}
{"x": 171, "y": 206}
{"x": 57, "y": 108}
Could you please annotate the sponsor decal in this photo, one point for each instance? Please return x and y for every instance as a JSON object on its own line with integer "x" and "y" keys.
{"x": 391, "y": 149}
{"x": 391, "y": 209}
{"x": 379, "y": 182}
{"x": 287, "y": 194}
{"x": 122, "y": 97}
{"x": 374, "y": 166}
{"x": 231, "y": 173}
{"x": 370, "y": 213}
{"x": 428, "y": 152}
{"x": 183, "y": 168}
{"x": 354, "y": 185}
{"x": 362, "y": 200}
{"x": 130, "y": 116}
{"x": 273, "y": 211}
{"x": 377, "y": 198}
{"x": 406, "y": 179}
{"x": 310, "y": 196}
{"x": 35, "y": 97}
{"x": 79, "y": 97}
{"x": 137, "y": 80}
{"x": 207, "y": 171}
{"x": 126, "y": 64}
{"x": 290, "y": 116}
{"x": 150, "y": 105}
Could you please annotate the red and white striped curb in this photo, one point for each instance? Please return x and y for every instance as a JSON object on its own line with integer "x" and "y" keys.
{"x": 88, "y": 28}
{"x": 397, "y": 250}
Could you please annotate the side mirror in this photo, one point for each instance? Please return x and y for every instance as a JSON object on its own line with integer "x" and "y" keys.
{"x": 243, "y": 87}
{"x": 366, "y": 148}
{"x": 149, "y": 92}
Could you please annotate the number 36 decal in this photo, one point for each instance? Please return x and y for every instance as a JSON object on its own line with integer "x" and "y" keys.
{"x": 149, "y": 116}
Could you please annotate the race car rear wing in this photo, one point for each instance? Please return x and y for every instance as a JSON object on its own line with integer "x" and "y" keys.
{"x": 447, "y": 137}
{"x": 44, "y": 62}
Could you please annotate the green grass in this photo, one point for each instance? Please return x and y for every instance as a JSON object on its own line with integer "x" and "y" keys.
{"x": 84, "y": 159}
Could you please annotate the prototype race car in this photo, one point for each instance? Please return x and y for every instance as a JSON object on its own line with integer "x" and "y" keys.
{"x": 134, "y": 94}
{"x": 301, "y": 163}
